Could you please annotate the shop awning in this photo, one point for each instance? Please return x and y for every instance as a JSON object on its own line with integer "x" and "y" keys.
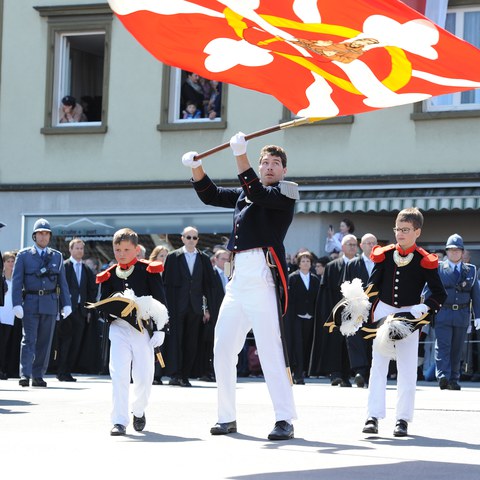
{"x": 387, "y": 199}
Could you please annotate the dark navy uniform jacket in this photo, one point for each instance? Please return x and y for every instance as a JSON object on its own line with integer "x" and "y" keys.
{"x": 144, "y": 280}
{"x": 463, "y": 294}
{"x": 31, "y": 273}
{"x": 261, "y": 218}
{"x": 402, "y": 286}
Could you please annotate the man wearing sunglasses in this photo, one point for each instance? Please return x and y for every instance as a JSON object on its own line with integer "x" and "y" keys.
{"x": 188, "y": 279}
{"x": 263, "y": 210}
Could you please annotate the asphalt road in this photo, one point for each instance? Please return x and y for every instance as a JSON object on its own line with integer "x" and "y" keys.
{"x": 62, "y": 432}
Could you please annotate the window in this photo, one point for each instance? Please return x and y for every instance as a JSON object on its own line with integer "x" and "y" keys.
{"x": 464, "y": 23}
{"x": 77, "y": 68}
{"x": 190, "y": 101}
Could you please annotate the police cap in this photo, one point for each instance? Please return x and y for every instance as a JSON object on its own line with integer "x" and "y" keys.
{"x": 41, "y": 225}
{"x": 455, "y": 241}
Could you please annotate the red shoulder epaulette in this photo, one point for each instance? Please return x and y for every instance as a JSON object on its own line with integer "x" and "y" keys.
{"x": 105, "y": 275}
{"x": 378, "y": 252}
{"x": 155, "y": 267}
{"x": 429, "y": 260}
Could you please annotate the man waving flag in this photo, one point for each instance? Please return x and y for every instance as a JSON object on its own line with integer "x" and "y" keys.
{"x": 320, "y": 58}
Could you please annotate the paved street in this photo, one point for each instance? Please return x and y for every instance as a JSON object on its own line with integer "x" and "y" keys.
{"x": 63, "y": 432}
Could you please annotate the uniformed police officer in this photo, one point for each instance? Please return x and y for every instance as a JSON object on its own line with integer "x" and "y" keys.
{"x": 39, "y": 293}
{"x": 452, "y": 321}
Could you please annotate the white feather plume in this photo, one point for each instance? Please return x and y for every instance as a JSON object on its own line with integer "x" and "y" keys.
{"x": 356, "y": 307}
{"x": 391, "y": 329}
{"x": 148, "y": 307}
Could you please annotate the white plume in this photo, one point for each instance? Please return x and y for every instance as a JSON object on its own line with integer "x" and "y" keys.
{"x": 391, "y": 329}
{"x": 148, "y": 307}
{"x": 356, "y": 307}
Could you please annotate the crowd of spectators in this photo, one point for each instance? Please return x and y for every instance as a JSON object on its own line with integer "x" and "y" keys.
{"x": 93, "y": 355}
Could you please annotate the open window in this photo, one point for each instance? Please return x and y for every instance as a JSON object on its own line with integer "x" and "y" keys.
{"x": 190, "y": 101}
{"x": 77, "y": 68}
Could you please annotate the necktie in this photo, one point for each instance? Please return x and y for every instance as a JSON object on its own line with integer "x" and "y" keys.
{"x": 78, "y": 271}
{"x": 224, "y": 279}
{"x": 457, "y": 273}
{"x": 42, "y": 255}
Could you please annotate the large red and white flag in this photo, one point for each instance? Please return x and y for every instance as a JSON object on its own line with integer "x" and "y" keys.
{"x": 320, "y": 58}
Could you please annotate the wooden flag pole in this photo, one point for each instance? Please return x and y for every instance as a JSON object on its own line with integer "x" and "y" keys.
{"x": 282, "y": 126}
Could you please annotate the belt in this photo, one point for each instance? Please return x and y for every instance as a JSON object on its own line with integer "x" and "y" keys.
{"x": 40, "y": 293}
{"x": 456, "y": 306}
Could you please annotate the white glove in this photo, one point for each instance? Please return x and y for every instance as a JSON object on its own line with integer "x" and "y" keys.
{"x": 18, "y": 311}
{"x": 188, "y": 160}
{"x": 157, "y": 339}
{"x": 238, "y": 144}
{"x": 476, "y": 322}
{"x": 418, "y": 310}
{"x": 66, "y": 311}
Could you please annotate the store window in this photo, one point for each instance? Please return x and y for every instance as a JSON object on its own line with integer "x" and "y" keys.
{"x": 77, "y": 68}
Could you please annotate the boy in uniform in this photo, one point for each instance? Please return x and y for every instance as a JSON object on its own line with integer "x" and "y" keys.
{"x": 131, "y": 350}
{"x": 401, "y": 270}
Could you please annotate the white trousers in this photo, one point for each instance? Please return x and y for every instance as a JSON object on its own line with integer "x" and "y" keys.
{"x": 407, "y": 361}
{"x": 250, "y": 303}
{"x": 130, "y": 352}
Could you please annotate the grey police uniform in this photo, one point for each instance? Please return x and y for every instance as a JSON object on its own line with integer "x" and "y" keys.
{"x": 34, "y": 287}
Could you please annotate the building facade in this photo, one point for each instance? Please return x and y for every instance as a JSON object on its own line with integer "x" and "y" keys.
{"x": 120, "y": 165}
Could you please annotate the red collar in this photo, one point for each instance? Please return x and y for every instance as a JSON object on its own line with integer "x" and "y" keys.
{"x": 125, "y": 266}
{"x": 403, "y": 252}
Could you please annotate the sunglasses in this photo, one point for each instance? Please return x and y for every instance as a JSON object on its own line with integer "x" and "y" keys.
{"x": 189, "y": 237}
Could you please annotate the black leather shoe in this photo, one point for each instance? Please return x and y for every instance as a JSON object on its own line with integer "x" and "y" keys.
{"x": 345, "y": 383}
{"x": 139, "y": 423}
{"x": 299, "y": 381}
{"x": 282, "y": 431}
{"x": 224, "y": 428}
{"x": 65, "y": 377}
{"x": 453, "y": 385}
{"x": 24, "y": 381}
{"x": 371, "y": 425}
{"x": 359, "y": 381}
{"x": 174, "y": 381}
{"x": 401, "y": 429}
{"x": 335, "y": 379}
{"x": 38, "y": 382}
{"x": 443, "y": 383}
{"x": 118, "y": 430}
{"x": 185, "y": 383}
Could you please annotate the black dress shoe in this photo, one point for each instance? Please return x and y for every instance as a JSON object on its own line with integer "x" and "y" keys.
{"x": 157, "y": 381}
{"x": 118, "y": 430}
{"x": 371, "y": 425}
{"x": 345, "y": 383}
{"x": 453, "y": 385}
{"x": 299, "y": 381}
{"x": 174, "y": 381}
{"x": 185, "y": 383}
{"x": 401, "y": 429}
{"x": 282, "y": 431}
{"x": 359, "y": 381}
{"x": 139, "y": 423}
{"x": 443, "y": 383}
{"x": 335, "y": 379}
{"x": 224, "y": 428}
{"x": 24, "y": 381}
{"x": 65, "y": 377}
{"x": 38, "y": 382}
